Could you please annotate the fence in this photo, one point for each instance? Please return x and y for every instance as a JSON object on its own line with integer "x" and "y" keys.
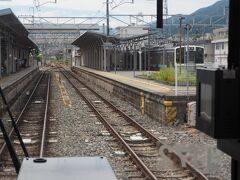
{"x": 185, "y": 79}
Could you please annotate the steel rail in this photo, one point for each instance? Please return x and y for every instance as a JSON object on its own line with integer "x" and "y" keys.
{"x": 145, "y": 170}
{"x": 21, "y": 113}
{"x": 45, "y": 118}
{"x": 151, "y": 136}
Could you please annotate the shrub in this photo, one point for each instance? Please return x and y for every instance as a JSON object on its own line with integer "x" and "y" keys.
{"x": 168, "y": 75}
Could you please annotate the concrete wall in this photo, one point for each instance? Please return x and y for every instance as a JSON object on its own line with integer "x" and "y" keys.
{"x": 155, "y": 106}
{"x": 17, "y": 91}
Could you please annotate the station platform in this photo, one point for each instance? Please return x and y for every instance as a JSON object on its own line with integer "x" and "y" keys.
{"x": 12, "y": 78}
{"x": 128, "y": 78}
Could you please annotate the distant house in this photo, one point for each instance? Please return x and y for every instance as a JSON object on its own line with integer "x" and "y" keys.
{"x": 220, "y": 41}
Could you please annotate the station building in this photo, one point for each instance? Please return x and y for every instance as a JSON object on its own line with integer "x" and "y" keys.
{"x": 16, "y": 49}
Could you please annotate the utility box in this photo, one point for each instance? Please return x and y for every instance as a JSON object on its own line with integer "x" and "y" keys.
{"x": 218, "y": 103}
{"x": 191, "y": 113}
{"x": 87, "y": 168}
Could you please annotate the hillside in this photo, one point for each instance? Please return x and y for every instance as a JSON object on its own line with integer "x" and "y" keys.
{"x": 218, "y": 11}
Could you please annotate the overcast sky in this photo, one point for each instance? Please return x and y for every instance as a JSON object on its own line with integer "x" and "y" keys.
{"x": 96, "y": 7}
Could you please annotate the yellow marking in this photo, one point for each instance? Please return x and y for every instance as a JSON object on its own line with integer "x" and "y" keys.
{"x": 142, "y": 103}
{"x": 171, "y": 114}
{"x": 168, "y": 103}
{"x": 64, "y": 94}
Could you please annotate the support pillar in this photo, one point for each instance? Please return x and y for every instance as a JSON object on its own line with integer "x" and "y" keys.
{"x": 131, "y": 60}
{"x": 134, "y": 60}
{"x": 127, "y": 59}
{"x": 10, "y": 56}
{"x": 140, "y": 60}
{"x": 0, "y": 56}
{"x": 104, "y": 59}
{"x": 7, "y": 58}
{"x": 115, "y": 60}
{"x": 14, "y": 60}
{"x": 109, "y": 58}
{"x": 100, "y": 58}
{"x": 145, "y": 59}
{"x": 148, "y": 60}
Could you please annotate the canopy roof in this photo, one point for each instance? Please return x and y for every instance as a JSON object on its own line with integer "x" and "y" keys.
{"x": 90, "y": 38}
{"x": 9, "y": 20}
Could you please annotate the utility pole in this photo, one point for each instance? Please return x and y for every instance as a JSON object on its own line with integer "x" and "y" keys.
{"x": 165, "y": 7}
{"x": 33, "y": 14}
{"x": 180, "y": 41}
{"x": 107, "y": 16}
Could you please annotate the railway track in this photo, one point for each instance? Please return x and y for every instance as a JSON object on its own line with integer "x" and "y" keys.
{"x": 32, "y": 123}
{"x": 154, "y": 159}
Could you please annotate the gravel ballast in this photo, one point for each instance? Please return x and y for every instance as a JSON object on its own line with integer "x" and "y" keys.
{"x": 79, "y": 134}
{"x": 200, "y": 149}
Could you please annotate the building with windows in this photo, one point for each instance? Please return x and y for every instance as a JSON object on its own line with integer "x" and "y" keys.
{"x": 131, "y": 30}
{"x": 220, "y": 41}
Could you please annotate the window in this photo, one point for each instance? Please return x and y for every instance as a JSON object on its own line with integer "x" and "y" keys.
{"x": 223, "y": 45}
{"x": 217, "y": 46}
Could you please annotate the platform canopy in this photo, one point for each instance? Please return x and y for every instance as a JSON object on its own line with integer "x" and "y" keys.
{"x": 91, "y": 38}
{"x": 96, "y": 50}
{"x": 9, "y": 21}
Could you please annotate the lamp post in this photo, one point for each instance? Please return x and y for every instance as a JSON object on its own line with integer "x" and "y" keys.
{"x": 180, "y": 41}
{"x": 107, "y": 16}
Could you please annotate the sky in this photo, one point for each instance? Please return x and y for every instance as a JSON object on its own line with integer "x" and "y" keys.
{"x": 76, "y": 8}
{"x": 97, "y": 7}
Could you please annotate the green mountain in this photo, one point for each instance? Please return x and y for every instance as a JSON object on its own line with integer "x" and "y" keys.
{"x": 203, "y": 20}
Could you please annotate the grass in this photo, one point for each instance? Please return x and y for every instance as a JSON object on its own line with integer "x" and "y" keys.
{"x": 167, "y": 76}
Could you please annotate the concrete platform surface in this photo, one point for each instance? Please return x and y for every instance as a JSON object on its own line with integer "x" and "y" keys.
{"x": 10, "y": 79}
{"x": 127, "y": 77}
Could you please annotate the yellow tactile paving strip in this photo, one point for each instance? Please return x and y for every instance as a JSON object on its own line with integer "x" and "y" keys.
{"x": 64, "y": 93}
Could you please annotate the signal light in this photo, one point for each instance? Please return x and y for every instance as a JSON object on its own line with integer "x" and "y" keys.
{"x": 159, "y": 13}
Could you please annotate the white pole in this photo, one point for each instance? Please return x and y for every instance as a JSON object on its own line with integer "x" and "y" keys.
{"x": 188, "y": 28}
{"x": 176, "y": 74}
